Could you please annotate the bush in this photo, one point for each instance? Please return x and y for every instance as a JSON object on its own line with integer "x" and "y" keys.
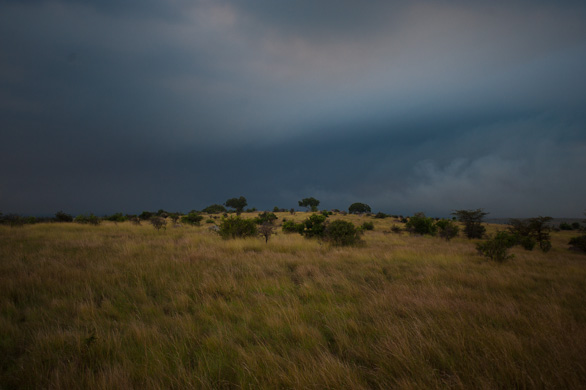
{"x": 447, "y": 229}
{"x": 292, "y": 227}
{"x": 380, "y": 215}
{"x": 396, "y": 229}
{"x": 578, "y": 243}
{"x": 472, "y": 220}
{"x": 192, "y": 219}
{"x": 566, "y": 226}
{"x": 117, "y": 217}
{"x": 85, "y": 219}
{"x": 342, "y": 233}
{"x": 237, "y": 227}
{"x": 496, "y": 247}
{"x": 420, "y": 224}
{"x": 368, "y": 226}
{"x": 214, "y": 209}
{"x": 146, "y": 215}
{"x": 314, "y": 226}
{"x": 265, "y": 217}
{"x": 209, "y": 221}
{"x": 359, "y": 208}
{"x": 60, "y": 216}
{"x": 158, "y": 222}
{"x": 266, "y": 230}
{"x": 530, "y": 231}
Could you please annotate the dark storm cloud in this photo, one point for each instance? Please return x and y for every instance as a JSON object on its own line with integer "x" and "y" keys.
{"x": 407, "y": 106}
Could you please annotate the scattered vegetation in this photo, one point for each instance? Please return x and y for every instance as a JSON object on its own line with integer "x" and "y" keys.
{"x": 472, "y": 220}
{"x": 215, "y": 209}
{"x": 237, "y": 227}
{"x": 237, "y": 203}
{"x": 158, "y": 222}
{"x": 359, "y": 208}
{"x": 192, "y": 218}
{"x": 309, "y": 203}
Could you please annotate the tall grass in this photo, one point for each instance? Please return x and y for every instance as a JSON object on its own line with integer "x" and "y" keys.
{"x": 124, "y": 306}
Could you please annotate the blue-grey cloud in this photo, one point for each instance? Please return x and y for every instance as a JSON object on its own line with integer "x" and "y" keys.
{"x": 404, "y": 105}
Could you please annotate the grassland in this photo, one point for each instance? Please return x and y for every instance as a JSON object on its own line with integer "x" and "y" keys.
{"x": 122, "y": 306}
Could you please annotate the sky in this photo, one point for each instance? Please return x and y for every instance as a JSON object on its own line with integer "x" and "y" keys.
{"x": 408, "y": 106}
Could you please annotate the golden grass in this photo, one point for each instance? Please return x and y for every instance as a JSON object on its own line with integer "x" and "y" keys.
{"x": 122, "y": 306}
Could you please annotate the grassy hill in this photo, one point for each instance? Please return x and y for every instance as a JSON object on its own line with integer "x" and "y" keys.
{"x": 125, "y": 306}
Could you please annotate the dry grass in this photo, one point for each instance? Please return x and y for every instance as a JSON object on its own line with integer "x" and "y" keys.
{"x": 122, "y": 306}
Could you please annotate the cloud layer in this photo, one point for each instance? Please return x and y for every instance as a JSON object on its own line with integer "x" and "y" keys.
{"x": 108, "y": 106}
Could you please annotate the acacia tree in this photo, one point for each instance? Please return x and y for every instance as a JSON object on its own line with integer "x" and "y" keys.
{"x": 237, "y": 203}
{"x": 310, "y": 203}
{"x": 472, "y": 220}
{"x": 359, "y": 208}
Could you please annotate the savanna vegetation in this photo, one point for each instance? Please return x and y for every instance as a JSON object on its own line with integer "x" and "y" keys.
{"x": 290, "y": 300}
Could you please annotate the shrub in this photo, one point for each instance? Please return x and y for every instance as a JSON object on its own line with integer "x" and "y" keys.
{"x": 342, "y": 233}
{"x": 496, "y": 247}
{"x": 396, "y": 229}
{"x": 530, "y": 231}
{"x": 292, "y": 227}
{"x": 265, "y": 217}
{"x": 209, "y": 221}
{"x": 117, "y": 217}
{"x": 314, "y": 226}
{"x": 146, "y": 215}
{"x": 192, "y": 219}
{"x": 578, "y": 243}
{"x": 60, "y": 216}
{"x": 158, "y": 222}
{"x": 576, "y": 225}
{"x": 420, "y": 224}
{"x": 447, "y": 229}
{"x": 85, "y": 219}
{"x": 214, "y": 209}
{"x": 368, "y": 226}
{"x": 237, "y": 227}
{"x": 276, "y": 209}
{"x": 266, "y": 230}
{"x": 472, "y": 220}
{"x": 380, "y": 215}
{"x": 359, "y": 208}
{"x": 566, "y": 226}
{"x": 326, "y": 213}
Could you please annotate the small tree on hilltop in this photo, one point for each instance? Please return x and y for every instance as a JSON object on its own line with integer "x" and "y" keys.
{"x": 359, "y": 208}
{"x": 158, "y": 222}
{"x": 237, "y": 203}
{"x": 214, "y": 209}
{"x": 310, "y": 203}
{"x": 472, "y": 220}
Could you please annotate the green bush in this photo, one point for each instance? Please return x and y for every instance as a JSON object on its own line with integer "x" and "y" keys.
{"x": 192, "y": 219}
{"x": 314, "y": 226}
{"x": 380, "y": 215}
{"x": 447, "y": 229}
{"x": 88, "y": 219}
{"x": 158, "y": 222}
{"x": 237, "y": 227}
{"x": 368, "y": 226}
{"x": 60, "y": 216}
{"x": 420, "y": 224}
{"x": 496, "y": 248}
{"x": 292, "y": 227}
{"x": 265, "y": 217}
{"x": 342, "y": 233}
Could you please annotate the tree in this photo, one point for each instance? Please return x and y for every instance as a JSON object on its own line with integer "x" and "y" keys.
{"x": 310, "y": 203}
{"x": 265, "y": 217}
{"x": 530, "y": 231}
{"x": 214, "y": 209}
{"x": 60, "y": 216}
{"x": 472, "y": 220}
{"x": 266, "y": 230}
{"x": 237, "y": 203}
{"x": 359, "y": 208}
{"x": 497, "y": 247}
{"x": 158, "y": 222}
{"x": 117, "y": 217}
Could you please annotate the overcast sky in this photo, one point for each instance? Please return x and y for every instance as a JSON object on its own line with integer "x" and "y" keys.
{"x": 408, "y": 106}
